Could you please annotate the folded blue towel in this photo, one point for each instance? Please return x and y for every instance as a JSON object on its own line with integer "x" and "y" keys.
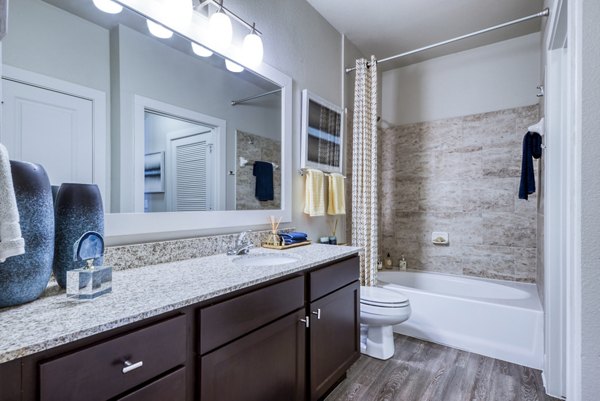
{"x": 296, "y": 236}
{"x": 287, "y": 241}
{"x": 263, "y": 171}
{"x": 532, "y": 149}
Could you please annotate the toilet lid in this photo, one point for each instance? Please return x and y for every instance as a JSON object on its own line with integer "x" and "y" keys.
{"x": 377, "y": 296}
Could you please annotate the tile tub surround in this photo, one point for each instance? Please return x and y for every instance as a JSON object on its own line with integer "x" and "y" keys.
{"x": 460, "y": 175}
{"x": 256, "y": 147}
{"x": 142, "y": 293}
{"x": 152, "y": 253}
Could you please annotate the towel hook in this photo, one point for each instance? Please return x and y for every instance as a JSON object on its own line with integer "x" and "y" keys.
{"x": 539, "y": 128}
{"x": 540, "y": 91}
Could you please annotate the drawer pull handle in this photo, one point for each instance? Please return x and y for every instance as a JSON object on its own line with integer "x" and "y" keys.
{"x": 306, "y": 321}
{"x": 132, "y": 366}
{"x": 318, "y": 313}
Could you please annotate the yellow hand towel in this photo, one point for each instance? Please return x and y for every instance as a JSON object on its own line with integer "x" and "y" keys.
{"x": 314, "y": 193}
{"x": 337, "y": 194}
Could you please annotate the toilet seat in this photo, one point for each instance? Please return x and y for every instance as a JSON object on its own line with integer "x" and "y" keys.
{"x": 382, "y": 298}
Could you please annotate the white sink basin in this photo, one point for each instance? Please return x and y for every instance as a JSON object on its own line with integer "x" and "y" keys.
{"x": 264, "y": 259}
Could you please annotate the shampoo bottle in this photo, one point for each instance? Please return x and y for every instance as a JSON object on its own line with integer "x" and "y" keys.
{"x": 402, "y": 264}
{"x": 388, "y": 261}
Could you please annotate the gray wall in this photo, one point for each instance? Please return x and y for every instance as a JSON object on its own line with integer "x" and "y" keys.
{"x": 590, "y": 199}
{"x": 46, "y": 40}
{"x": 460, "y": 176}
{"x": 493, "y": 77}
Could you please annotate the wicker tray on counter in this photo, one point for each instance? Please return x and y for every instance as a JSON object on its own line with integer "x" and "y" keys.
{"x": 281, "y": 247}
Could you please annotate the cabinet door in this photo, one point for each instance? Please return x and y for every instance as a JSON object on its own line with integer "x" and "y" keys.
{"x": 267, "y": 364}
{"x": 170, "y": 387}
{"x": 334, "y": 338}
{"x": 10, "y": 381}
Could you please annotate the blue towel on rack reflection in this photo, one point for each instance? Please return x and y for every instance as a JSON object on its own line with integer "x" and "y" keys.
{"x": 263, "y": 171}
{"x": 532, "y": 149}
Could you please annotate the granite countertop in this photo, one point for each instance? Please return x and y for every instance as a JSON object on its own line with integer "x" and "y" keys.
{"x": 141, "y": 293}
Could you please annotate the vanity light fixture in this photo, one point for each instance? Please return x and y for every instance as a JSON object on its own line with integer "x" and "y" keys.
{"x": 233, "y": 67}
{"x": 252, "y": 49}
{"x": 108, "y": 6}
{"x": 221, "y": 34}
{"x": 201, "y": 50}
{"x": 158, "y": 30}
{"x": 220, "y": 28}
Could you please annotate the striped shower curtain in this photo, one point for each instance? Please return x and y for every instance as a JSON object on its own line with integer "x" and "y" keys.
{"x": 364, "y": 169}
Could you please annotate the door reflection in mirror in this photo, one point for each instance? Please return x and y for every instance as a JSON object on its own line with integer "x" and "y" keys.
{"x": 188, "y": 172}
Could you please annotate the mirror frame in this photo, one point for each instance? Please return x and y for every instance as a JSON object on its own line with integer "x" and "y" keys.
{"x": 122, "y": 227}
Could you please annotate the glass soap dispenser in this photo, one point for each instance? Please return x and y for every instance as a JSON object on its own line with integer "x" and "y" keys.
{"x": 88, "y": 282}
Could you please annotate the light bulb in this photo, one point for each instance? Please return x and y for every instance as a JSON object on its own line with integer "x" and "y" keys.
{"x": 252, "y": 50}
{"x": 233, "y": 67}
{"x": 221, "y": 31}
{"x": 201, "y": 50}
{"x": 108, "y": 6}
{"x": 158, "y": 30}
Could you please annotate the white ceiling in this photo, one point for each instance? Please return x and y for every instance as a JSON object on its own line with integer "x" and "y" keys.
{"x": 388, "y": 27}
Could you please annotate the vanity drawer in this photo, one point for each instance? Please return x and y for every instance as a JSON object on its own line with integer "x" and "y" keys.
{"x": 171, "y": 387}
{"x": 337, "y": 275}
{"x": 235, "y": 317}
{"x": 99, "y": 372}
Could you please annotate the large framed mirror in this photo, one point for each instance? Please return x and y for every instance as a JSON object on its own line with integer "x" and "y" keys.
{"x": 175, "y": 141}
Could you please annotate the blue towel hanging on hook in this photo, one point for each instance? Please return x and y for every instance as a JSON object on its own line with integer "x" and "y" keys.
{"x": 532, "y": 149}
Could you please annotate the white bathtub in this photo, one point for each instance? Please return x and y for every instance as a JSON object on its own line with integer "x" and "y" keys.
{"x": 499, "y": 319}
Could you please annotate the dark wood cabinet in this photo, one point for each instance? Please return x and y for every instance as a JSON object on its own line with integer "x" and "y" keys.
{"x": 225, "y": 321}
{"x": 334, "y": 338}
{"x": 254, "y": 344}
{"x": 267, "y": 364}
{"x": 10, "y": 381}
{"x": 170, "y": 387}
{"x": 110, "y": 368}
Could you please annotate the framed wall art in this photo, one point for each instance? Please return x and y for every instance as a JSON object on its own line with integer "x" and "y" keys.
{"x": 322, "y": 134}
{"x": 154, "y": 173}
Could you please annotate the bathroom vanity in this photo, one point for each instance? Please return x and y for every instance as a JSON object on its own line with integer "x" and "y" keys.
{"x": 212, "y": 328}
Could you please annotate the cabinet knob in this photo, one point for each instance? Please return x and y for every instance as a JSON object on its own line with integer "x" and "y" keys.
{"x": 306, "y": 321}
{"x": 132, "y": 366}
{"x": 318, "y": 313}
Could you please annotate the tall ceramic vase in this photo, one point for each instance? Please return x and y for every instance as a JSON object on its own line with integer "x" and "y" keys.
{"x": 77, "y": 210}
{"x": 23, "y": 278}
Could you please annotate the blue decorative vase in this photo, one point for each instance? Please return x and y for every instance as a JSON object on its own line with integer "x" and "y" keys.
{"x": 78, "y": 209}
{"x": 24, "y": 278}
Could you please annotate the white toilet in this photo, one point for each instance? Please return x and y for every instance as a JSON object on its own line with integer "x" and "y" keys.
{"x": 380, "y": 310}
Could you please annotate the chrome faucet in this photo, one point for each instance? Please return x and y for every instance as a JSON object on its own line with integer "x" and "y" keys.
{"x": 242, "y": 245}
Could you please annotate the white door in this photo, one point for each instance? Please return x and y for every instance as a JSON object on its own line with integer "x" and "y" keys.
{"x": 190, "y": 175}
{"x": 49, "y": 128}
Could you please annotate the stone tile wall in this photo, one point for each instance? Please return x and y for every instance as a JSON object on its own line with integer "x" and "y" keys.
{"x": 459, "y": 175}
{"x": 256, "y": 147}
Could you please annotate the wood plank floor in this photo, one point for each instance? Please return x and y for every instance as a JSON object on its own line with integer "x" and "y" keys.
{"x": 424, "y": 371}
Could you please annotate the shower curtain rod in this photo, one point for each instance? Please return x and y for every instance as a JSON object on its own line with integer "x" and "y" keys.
{"x": 543, "y": 13}
{"x": 244, "y": 100}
